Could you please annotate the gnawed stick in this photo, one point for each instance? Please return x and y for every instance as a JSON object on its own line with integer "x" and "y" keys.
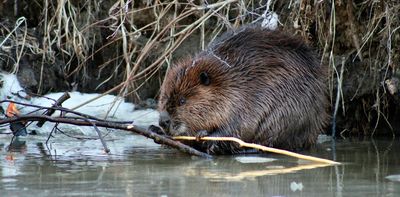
{"x": 260, "y": 147}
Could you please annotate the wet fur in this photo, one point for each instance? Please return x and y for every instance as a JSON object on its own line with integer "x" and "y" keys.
{"x": 266, "y": 87}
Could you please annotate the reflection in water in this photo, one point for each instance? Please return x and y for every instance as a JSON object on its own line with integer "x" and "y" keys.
{"x": 251, "y": 174}
{"x": 18, "y": 144}
{"x": 138, "y": 167}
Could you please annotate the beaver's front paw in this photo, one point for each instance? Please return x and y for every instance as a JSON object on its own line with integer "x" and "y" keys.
{"x": 211, "y": 147}
{"x": 200, "y": 134}
{"x": 156, "y": 129}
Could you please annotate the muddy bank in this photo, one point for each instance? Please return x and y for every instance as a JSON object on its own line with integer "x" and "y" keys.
{"x": 95, "y": 46}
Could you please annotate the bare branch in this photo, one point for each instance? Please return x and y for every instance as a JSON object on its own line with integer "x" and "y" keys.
{"x": 107, "y": 124}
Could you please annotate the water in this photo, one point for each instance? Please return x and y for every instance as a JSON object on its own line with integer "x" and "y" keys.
{"x": 138, "y": 167}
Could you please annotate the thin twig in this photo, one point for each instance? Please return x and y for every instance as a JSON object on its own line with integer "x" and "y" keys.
{"x": 103, "y": 142}
{"x": 65, "y": 110}
{"x": 214, "y": 5}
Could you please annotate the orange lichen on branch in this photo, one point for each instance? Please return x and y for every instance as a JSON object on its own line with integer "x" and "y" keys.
{"x": 12, "y": 110}
{"x": 260, "y": 147}
{"x": 18, "y": 127}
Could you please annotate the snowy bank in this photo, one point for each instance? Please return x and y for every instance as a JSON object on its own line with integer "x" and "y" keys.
{"x": 105, "y": 107}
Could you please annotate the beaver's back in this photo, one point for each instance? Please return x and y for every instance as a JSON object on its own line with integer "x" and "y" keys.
{"x": 282, "y": 84}
{"x": 266, "y": 87}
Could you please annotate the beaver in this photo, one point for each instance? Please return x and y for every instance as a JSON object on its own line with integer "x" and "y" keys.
{"x": 262, "y": 86}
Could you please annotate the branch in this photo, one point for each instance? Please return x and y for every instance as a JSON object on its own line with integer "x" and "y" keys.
{"x": 58, "y": 103}
{"x": 260, "y": 147}
{"x": 104, "y": 123}
{"x": 62, "y": 109}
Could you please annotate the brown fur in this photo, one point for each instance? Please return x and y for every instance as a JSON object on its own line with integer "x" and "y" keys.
{"x": 265, "y": 87}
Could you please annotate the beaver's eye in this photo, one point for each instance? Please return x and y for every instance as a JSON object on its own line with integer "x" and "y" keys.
{"x": 182, "y": 101}
{"x": 204, "y": 79}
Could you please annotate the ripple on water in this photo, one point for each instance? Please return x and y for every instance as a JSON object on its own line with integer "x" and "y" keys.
{"x": 8, "y": 180}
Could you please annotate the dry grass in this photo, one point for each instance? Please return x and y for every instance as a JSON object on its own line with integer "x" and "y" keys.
{"x": 138, "y": 39}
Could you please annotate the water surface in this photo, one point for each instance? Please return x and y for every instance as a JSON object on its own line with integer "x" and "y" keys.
{"x": 139, "y": 167}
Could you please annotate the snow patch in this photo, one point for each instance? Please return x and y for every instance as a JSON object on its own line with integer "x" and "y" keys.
{"x": 105, "y": 107}
{"x": 10, "y": 88}
{"x": 270, "y": 20}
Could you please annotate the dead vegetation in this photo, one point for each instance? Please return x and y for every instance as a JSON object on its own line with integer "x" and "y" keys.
{"x": 125, "y": 46}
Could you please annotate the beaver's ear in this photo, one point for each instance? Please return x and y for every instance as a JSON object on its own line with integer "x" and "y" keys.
{"x": 204, "y": 79}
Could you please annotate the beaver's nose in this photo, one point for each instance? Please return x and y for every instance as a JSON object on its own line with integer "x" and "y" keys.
{"x": 165, "y": 120}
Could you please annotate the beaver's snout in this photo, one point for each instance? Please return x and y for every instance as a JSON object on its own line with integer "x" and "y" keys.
{"x": 165, "y": 120}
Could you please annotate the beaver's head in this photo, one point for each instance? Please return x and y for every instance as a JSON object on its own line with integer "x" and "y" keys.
{"x": 195, "y": 95}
